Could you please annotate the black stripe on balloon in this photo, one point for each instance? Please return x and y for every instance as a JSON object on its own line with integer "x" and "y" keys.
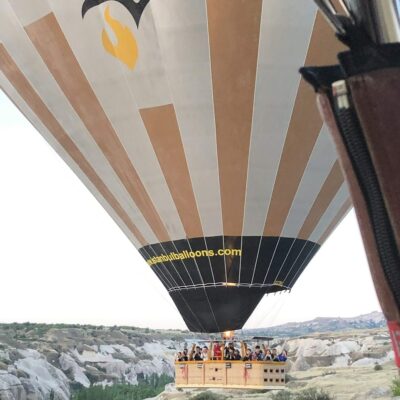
{"x": 176, "y": 269}
{"x": 203, "y": 263}
{"x": 265, "y": 257}
{"x": 214, "y": 244}
{"x": 178, "y": 246}
{"x": 250, "y": 247}
{"x": 232, "y": 262}
{"x": 135, "y": 8}
{"x": 286, "y": 259}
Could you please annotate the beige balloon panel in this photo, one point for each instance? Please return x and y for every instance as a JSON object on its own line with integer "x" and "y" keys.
{"x": 264, "y": 157}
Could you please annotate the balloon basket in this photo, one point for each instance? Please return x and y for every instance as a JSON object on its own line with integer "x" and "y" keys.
{"x": 230, "y": 374}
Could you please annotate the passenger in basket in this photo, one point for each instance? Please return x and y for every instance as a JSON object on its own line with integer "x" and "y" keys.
{"x": 197, "y": 355}
{"x": 248, "y": 356}
{"x": 179, "y": 356}
{"x": 204, "y": 353}
{"x": 258, "y": 354}
{"x": 231, "y": 355}
{"x": 268, "y": 355}
{"x": 237, "y": 355}
{"x": 283, "y": 356}
{"x": 228, "y": 348}
{"x": 217, "y": 351}
{"x": 185, "y": 355}
{"x": 275, "y": 355}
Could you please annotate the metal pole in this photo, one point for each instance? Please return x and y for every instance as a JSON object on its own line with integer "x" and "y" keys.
{"x": 380, "y": 18}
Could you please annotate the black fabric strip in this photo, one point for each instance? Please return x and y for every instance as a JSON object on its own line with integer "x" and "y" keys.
{"x": 364, "y": 169}
{"x": 370, "y": 58}
{"x": 321, "y": 78}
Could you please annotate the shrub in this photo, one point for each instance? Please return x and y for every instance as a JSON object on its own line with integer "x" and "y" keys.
{"x": 396, "y": 387}
{"x": 150, "y": 386}
{"x": 142, "y": 355}
{"x": 76, "y": 386}
{"x": 329, "y": 372}
{"x": 306, "y": 394}
{"x": 93, "y": 378}
{"x": 289, "y": 378}
{"x": 208, "y": 396}
{"x": 282, "y": 395}
{"x": 313, "y": 394}
{"x": 378, "y": 367}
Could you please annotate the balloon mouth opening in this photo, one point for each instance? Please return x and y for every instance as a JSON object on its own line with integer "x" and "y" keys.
{"x": 227, "y": 335}
{"x": 230, "y": 284}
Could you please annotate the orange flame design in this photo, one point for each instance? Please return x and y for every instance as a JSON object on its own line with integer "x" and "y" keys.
{"x": 126, "y": 49}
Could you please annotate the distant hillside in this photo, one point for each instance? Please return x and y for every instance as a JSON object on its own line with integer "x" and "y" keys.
{"x": 321, "y": 324}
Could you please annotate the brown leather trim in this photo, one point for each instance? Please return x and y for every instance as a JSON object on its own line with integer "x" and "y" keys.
{"x": 328, "y": 191}
{"x": 234, "y": 30}
{"x": 304, "y": 128}
{"x": 376, "y": 96}
{"x": 31, "y": 98}
{"x": 344, "y": 209}
{"x": 162, "y": 127}
{"x": 50, "y": 42}
{"x": 382, "y": 288}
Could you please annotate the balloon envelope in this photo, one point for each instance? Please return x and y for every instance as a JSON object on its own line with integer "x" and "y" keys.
{"x": 188, "y": 121}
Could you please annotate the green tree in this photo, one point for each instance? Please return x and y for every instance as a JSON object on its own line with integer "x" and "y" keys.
{"x": 396, "y": 387}
{"x": 148, "y": 386}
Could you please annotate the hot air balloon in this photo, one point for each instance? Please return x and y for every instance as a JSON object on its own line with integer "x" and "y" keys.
{"x": 189, "y": 123}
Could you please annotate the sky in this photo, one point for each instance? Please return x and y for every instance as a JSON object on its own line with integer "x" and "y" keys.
{"x": 64, "y": 260}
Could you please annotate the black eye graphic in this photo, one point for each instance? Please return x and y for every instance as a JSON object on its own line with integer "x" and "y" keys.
{"x": 136, "y": 8}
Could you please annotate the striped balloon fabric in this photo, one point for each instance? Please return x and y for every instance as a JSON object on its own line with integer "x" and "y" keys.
{"x": 189, "y": 123}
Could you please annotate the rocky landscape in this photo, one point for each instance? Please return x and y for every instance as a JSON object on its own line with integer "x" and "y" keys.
{"x": 40, "y": 362}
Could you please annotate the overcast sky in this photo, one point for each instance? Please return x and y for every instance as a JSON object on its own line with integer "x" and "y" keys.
{"x": 63, "y": 259}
